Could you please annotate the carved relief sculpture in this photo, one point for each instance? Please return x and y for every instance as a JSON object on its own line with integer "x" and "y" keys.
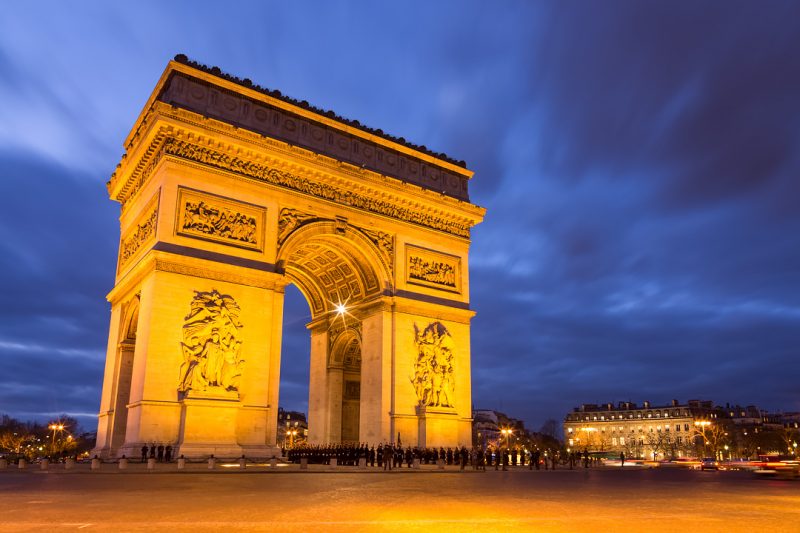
{"x": 143, "y": 230}
{"x": 433, "y": 370}
{"x": 289, "y": 220}
{"x": 385, "y": 243}
{"x": 201, "y": 154}
{"x": 214, "y": 218}
{"x": 212, "y": 345}
{"x": 433, "y": 269}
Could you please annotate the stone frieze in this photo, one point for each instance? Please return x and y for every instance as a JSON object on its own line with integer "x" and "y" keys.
{"x": 141, "y": 231}
{"x": 201, "y": 154}
{"x": 433, "y": 269}
{"x": 223, "y": 220}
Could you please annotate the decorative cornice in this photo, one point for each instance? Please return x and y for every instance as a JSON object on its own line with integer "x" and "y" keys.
{"x": 196, "y": 153}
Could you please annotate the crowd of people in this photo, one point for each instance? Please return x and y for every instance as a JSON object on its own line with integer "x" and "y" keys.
{"x": 389, "y": 456}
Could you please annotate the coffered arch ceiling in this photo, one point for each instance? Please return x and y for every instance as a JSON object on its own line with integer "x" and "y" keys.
{"x": 345, "y": 352}
{"x": 331, "y": 268}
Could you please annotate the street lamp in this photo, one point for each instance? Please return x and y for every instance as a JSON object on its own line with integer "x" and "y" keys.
{"x": 291, "y": 433}
{"x": 506, "y": 433}
{"x": 703, "y": 424}
{"x": 55, "y": 427}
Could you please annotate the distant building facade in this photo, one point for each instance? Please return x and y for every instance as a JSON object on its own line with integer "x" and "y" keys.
{"x": 291, "y": 421}
{"x": 691, "y": 429}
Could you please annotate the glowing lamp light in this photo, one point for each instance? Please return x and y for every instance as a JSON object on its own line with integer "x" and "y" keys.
{"x": 340, "y": 308}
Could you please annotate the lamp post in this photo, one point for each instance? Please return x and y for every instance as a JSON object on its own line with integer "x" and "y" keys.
{"x": 506, "y": 433}
{"x": 291, "y": 433}
{"x": 55, "y": 427}
{"x": 703, "y": 424}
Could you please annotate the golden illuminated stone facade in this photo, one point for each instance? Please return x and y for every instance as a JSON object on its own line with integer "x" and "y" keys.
{"x": 228, "y": 194}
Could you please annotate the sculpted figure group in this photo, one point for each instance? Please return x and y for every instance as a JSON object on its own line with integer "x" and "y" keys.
{"x": 433, "y": 370}
{"x": 211, "y": 347}
{"x": 437, "y": 272}
{"x": 200, "y": 217}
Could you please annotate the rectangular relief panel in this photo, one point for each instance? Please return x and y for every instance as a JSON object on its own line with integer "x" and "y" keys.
{"x": 209, "y": 217}
{"x": 433, "y": 269}
{"x": 142, "y": 231}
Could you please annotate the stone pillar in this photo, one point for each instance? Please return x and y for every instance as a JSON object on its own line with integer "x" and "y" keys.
{"x": 22, "y": 464}
{"x": 69, "y": 464}
{"x": 44, "y": 464}
{"x": 318, "y": 396}
{"x": 212, "y": 462}
{"x": 3, "y": 463}
{"x": 105, "y": 418}
{"x": 242, "y": 462}
{"x": 181, "y": 463}
{"x": 377, "y": 375}
{"x": 96, "y": 463}
{"x": 151, "y": 464}
{"x": 123, "y": 463}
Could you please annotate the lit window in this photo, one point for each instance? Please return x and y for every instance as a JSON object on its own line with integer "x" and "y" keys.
{"x": 613, "y": 441}
{"x": 622, "y": 441}
{"x": 677, "y": 427}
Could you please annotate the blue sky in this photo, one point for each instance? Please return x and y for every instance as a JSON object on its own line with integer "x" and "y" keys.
{"x": 639, "y": 162}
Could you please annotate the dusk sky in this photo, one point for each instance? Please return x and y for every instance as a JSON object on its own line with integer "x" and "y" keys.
{"x": 639, "y": 163}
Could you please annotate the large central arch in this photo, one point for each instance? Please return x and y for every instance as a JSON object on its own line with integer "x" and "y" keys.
{"x": 229, "y": 193}
{"x": 340, "y": 272}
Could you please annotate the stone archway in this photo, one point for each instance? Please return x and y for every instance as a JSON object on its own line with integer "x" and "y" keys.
{"x": 229, "y": 193}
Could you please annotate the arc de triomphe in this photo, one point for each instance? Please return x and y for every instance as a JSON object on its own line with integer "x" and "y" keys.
{"x": 229, "y": 192}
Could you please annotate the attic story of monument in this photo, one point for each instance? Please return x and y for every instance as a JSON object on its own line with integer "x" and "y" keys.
{"x": 228, "y": 193}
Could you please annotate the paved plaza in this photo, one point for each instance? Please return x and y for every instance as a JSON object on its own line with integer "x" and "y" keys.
{"x": 283, "y": 499}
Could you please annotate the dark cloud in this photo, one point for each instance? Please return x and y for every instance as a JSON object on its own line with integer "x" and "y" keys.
{"x": 638, "y": 160}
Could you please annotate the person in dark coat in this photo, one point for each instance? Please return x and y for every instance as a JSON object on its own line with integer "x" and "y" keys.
{"x": 168, "y": 453}
{"x": 379, "y": 454}
{"x": 160, "y": 453}
{"x": 144, "y": 453}
{"x": 153, "y": 451}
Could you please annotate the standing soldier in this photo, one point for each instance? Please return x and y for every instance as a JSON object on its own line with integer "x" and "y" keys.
{"x": 144, "y": 453}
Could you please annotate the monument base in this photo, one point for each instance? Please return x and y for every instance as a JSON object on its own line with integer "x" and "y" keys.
{"x": 438, "y": 427}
